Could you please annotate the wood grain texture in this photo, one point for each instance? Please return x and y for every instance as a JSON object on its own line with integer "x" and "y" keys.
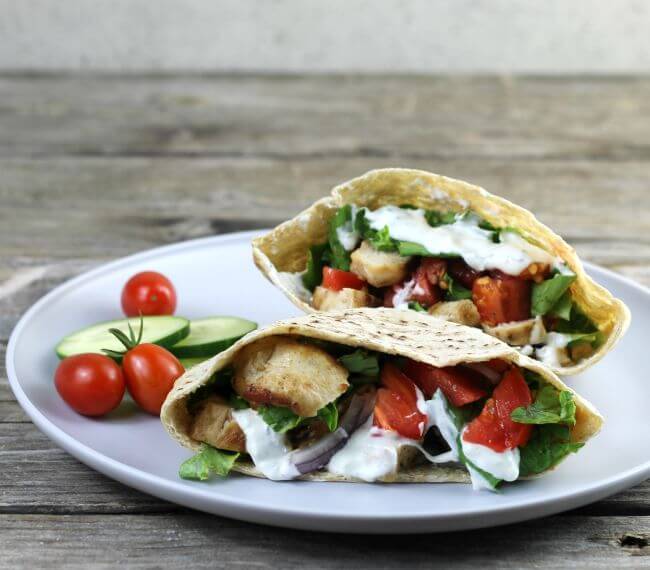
{"x": 301, "y": 117}
{"x": 93, "y": 168}
{"x": 199, "y": 541}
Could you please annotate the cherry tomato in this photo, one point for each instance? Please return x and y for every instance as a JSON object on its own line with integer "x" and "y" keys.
{"x": 336, "y": 279}
{"x": 501, "y": 299}
{"x": 91, "y": 384}
{"x": 150, "y": 372}
{"x": 512, "y": 393}
{"x": 425, "y": 291}
{"x": 494, "y": 427}
{"x": 396, "y": 407}
{"x": 434, "y": 269}
{"x": 148, "y": 293}
{"x": 459, "y": 385}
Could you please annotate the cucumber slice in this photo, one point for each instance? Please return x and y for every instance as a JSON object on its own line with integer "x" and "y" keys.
{"x": 212, "y": 335}
{"x": 189, "y": 362}
{"x": 162, "y": 330}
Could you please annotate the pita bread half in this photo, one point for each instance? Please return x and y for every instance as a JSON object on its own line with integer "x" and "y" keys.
{"x": 284, "y": 250}
{"x": 401, "y": 333}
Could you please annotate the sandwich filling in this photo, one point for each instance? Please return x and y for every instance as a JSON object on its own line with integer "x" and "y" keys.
{"x": 454, "y": 266}
{"x": 297, "y": 406}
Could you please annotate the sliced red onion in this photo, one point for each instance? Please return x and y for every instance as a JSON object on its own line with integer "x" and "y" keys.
{"x": 483, "y": 369}
{"x": 319, "y": 454}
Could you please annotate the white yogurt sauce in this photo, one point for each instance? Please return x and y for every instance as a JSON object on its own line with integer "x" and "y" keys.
{"x": 554, "y": 353}
{"x": 400, "y": 299}
{"x": 348, "y": 236}
{"x": 267, "y": 448}
{"x": 373, "y": 453}
{"x": 502, "y": 465}
{"x": 438, "y": 415}
{"x": 463, "y": 237}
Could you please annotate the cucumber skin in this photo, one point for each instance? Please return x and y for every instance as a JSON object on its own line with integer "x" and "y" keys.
{"x": 204, "y": 350}
{"x": 166, "y": 342}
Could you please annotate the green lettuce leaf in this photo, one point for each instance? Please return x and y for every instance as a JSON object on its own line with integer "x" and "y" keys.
{"x": 550, "y": 407}
{"x": 361, "y": 362}
{"x": 330, "y": 415}
{"x": 435, "y": 218}
{"x": 339, "y": 256}
{"x": 455, "y": 291}
{"x": 415, "y": 306}
{"x": 408, "y": 248}
{"x": 317, "y": 257}
{"x": 207, "y": 462}
{"x": 279, "y": 418}
{"x": 547, "y": 293}
{"x": 562, "y": 309}
{"x": 381, "y": 240}
{"x": 548, "y": 445}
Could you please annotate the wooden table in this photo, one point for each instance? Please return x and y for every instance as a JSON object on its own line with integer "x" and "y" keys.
{"x": 94, "y": 168}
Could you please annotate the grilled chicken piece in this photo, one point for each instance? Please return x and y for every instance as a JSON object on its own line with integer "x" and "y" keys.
{"x": 213, "y": 424}
{"x": 328, "y": 300}
{"x": 519, "y": 333}
{"x": 284, "y": 372}
{"x": 463, "y": 312}
{"x": 379, "y": 268}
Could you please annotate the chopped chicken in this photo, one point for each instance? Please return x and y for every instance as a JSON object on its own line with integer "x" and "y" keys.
{"x": 281, "y": 371}
{"x": 379, "y": 268}
{"x": 213, "y": 424}
{"x": 329, "y": 300}
{"x": 462, "y": 312}
{"x": 519, "y": 333}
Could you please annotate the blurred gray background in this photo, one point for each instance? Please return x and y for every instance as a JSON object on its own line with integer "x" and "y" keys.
{"x": 461, "y": 36}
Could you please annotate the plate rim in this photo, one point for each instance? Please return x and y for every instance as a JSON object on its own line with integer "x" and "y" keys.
{"x": 290, "y": 516}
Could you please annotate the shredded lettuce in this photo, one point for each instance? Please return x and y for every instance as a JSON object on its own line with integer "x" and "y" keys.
{"x": 562, "y": 309}
{"x": 339, "y": 256}
{"x": 318, "y": 256}
{"x": 207, "y": 462}
{"x": 455, "y": 291}
{"x": 550, "y": 407}
{"x": 381, "y": 240}
{"x": 415, "y": 306}
{"x": 548, "y": 445}
{"x": 361, "y": 362}
{"x": 549, "y": 292}
{"x": 283, "y": 419}
{"x": 330, "y": 415}
{"x": 279, "y": 418}
{"x": 435, "y": 218}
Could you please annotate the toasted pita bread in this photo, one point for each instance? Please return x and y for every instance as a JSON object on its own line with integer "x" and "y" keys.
{"x": 284, "y": 250}
{"x": 402, "y": 333}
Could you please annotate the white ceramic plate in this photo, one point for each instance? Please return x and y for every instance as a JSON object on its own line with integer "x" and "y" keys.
{"x": 216, "y": 276}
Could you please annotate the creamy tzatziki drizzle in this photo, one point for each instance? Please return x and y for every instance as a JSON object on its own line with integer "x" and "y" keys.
{"x": 463, "y": 237}
{"x": 267, "y": 448}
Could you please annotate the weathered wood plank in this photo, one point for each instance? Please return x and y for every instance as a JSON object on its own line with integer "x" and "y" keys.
{"x": 390, "y": 118}
{"x": 211, "y": 542}
{"x": 74, "y": 208}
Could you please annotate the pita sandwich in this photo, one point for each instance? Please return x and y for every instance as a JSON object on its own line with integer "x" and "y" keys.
{"x": 375, "y": 395}
{"x": 414, "y": 240}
